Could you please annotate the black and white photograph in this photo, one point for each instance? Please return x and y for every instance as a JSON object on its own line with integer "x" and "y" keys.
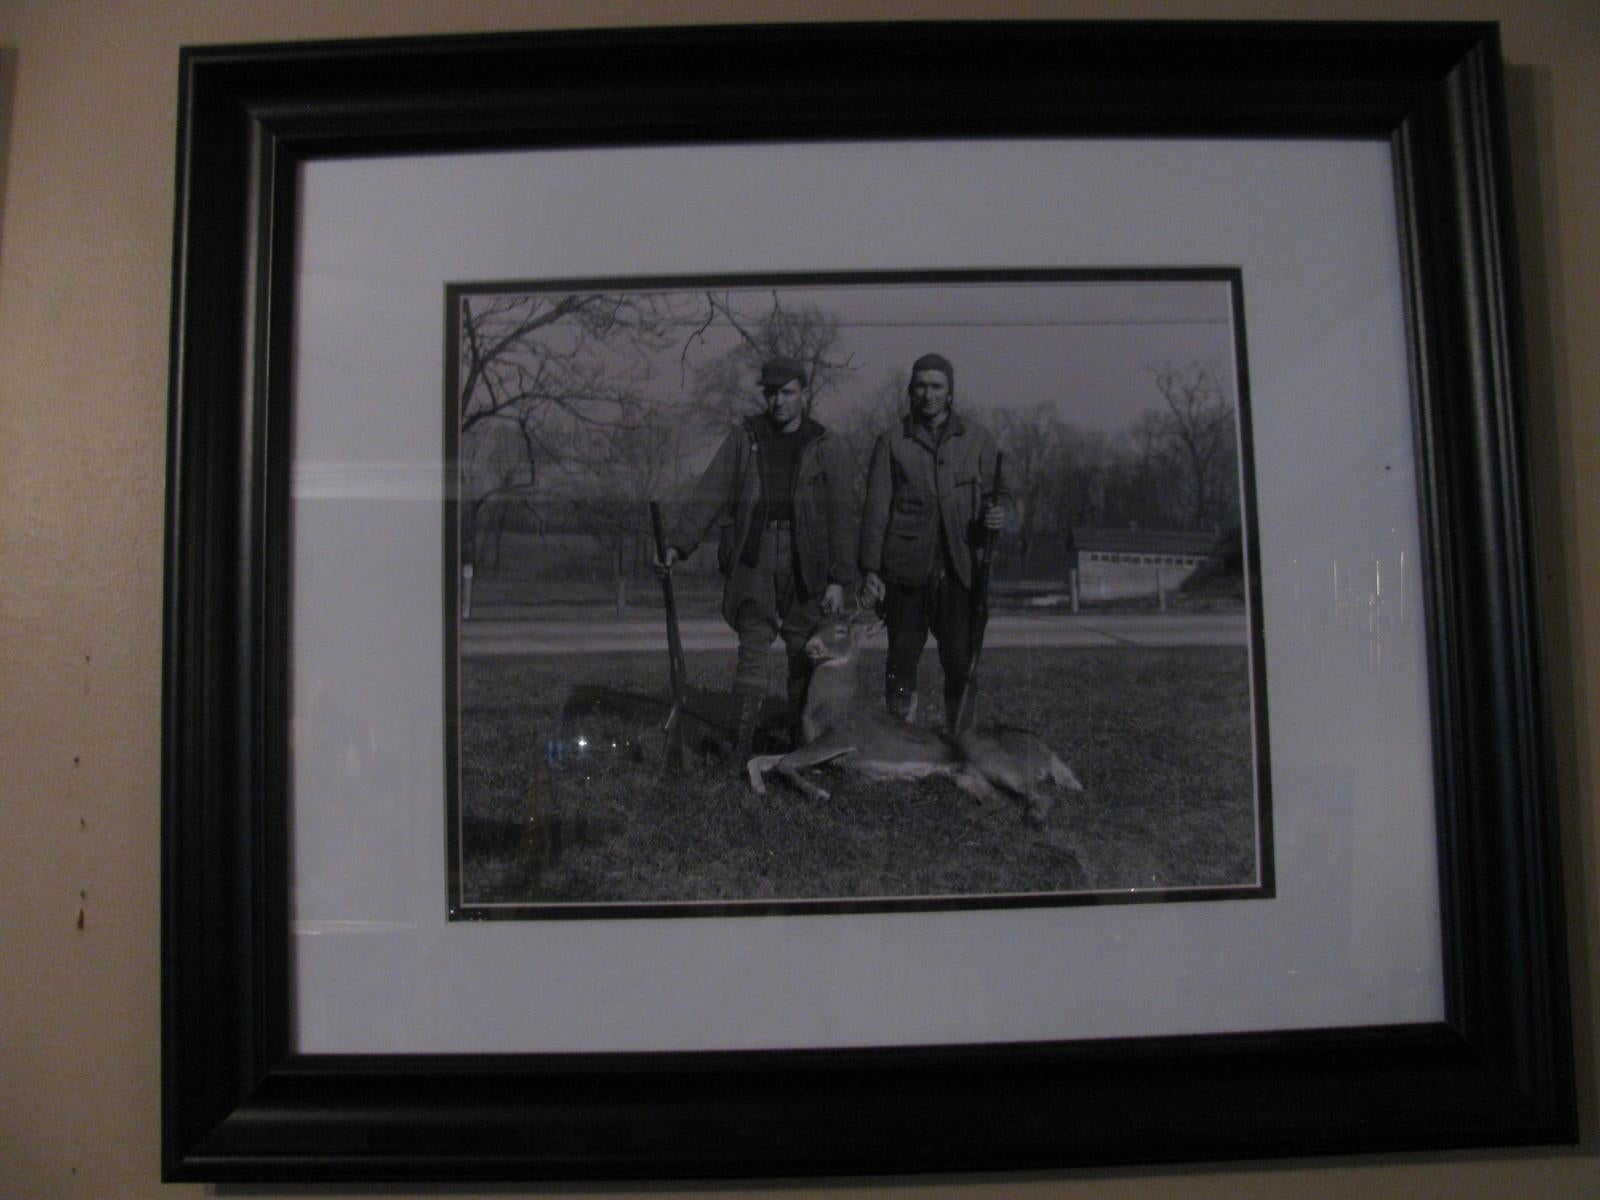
{"x": 873, "y": 592}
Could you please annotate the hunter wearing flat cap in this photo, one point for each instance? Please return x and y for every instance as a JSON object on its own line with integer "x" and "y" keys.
{"x": 777, "y": 493}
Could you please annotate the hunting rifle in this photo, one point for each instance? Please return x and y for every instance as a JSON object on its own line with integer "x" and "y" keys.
{"x": 677, "y": 672}
{"x": 982, "y": 557}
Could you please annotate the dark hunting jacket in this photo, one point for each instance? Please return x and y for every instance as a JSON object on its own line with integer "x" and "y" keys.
{"x": 729, "y": 494}
{"x": 920, "y": 484}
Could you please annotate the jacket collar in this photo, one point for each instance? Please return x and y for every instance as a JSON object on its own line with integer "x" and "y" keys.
{"x": 918, "y": 432}
{"x": 811, "y": 430}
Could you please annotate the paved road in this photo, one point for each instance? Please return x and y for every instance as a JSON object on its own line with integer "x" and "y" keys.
{"x": 490, "y": 637}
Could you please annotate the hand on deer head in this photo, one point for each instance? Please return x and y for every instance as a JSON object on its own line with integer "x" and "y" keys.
{"x": 872, "y": 590}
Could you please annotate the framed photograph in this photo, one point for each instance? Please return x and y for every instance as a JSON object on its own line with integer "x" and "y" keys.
{"x": 1114, "y": 600}
{"x": 710, "y": 611}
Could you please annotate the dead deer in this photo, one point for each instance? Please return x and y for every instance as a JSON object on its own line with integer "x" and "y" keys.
{"x": 843, "y": 726}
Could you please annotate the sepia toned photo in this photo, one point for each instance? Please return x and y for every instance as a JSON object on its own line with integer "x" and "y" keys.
{"x": 798, "y": 594}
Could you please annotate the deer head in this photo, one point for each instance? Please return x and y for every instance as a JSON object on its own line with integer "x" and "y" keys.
{"x": 837, "y": 638}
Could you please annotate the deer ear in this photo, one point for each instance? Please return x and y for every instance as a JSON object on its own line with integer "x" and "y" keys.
{"x": 868, "y": 620}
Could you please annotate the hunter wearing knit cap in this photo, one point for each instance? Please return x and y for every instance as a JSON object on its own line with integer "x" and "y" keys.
{"x": 776, "y": 493}
{"x": 931, "y": 490}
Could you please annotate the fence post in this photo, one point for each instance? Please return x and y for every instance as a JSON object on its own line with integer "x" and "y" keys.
{"x": 466, "y": 590}
{"x": 1072, "y": 586}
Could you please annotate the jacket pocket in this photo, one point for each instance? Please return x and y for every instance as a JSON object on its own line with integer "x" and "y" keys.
{"x": 969, "y": 504}
{"x": 969, "y": 492}
{"x": 908, "y": 515}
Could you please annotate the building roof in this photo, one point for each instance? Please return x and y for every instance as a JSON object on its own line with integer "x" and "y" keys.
{"x": 1196, "y": 543}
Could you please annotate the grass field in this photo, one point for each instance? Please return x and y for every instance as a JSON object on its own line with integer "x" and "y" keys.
{"x": 564, "y": 798}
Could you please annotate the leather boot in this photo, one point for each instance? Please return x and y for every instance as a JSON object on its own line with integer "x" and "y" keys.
{"x": 745, "y": 737}
{"x": 952, "y": 707}
{"x": 902, "y": 705}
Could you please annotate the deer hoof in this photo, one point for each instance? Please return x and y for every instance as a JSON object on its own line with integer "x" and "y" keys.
{"x": 758, "y": 785}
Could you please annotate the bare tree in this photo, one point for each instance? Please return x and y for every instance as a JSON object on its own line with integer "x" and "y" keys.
{"x": 497, "y": 468}
{"x": 580, "y": 354}
{"x": 1199, "y": 424}
{"x": 1029, "y": 438}
{"x": 1078, "y": 477}
{"x": 876, "y": 412}
{"x": 725, "y": 388}
{"x": 1148, "y": 487}
{"x": 541, "y": 375}
{"x": 614, "y": 474}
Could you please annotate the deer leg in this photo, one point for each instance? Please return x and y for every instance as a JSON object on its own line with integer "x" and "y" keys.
{"x": 801, "y": 782}
{"x": 757, "y": 769}
{"x": 974, "y": 784}
{"x": 814, "y": 755}
{"x": 788, "y": 764}
{"x": 1062, "y": 775}
{"x": 1040, "y": 805}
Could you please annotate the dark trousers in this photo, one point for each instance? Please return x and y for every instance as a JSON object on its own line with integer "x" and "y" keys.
{"x": 791, "y": 616}
{"x": 943, "y": 607}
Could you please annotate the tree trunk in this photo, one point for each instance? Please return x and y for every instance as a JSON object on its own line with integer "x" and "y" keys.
{"x": 622, "y": 578}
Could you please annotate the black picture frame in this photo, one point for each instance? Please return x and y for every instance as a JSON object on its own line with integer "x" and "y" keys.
{"x": 238, "y": 1103}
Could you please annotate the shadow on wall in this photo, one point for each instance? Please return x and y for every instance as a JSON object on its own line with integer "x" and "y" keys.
{"x": 8, "y": 105}
{"x": 1551, "y": 431}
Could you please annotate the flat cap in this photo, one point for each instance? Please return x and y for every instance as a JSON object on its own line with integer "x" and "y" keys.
{"x": 776, "y": 372}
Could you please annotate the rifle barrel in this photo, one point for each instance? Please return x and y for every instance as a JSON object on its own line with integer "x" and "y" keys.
{"x": 979, "y": 610}
{"x": 674, "y": 641}
{"x": 677, "y": 669}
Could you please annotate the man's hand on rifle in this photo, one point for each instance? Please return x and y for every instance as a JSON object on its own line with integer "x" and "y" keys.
{"x": 663, "y": 566}
{"x": 995, "y": 517}
{"x": 833, "y": 599}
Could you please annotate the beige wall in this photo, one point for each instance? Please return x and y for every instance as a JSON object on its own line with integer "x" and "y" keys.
{"x": 87, "y": 92}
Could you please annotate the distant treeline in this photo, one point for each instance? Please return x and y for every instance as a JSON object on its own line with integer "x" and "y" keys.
{"x": 558, "y": 548}
{"x": 565, "y": 435}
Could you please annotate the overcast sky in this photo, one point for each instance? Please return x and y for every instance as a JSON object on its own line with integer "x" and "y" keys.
{"x": 1082, "y": 345}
